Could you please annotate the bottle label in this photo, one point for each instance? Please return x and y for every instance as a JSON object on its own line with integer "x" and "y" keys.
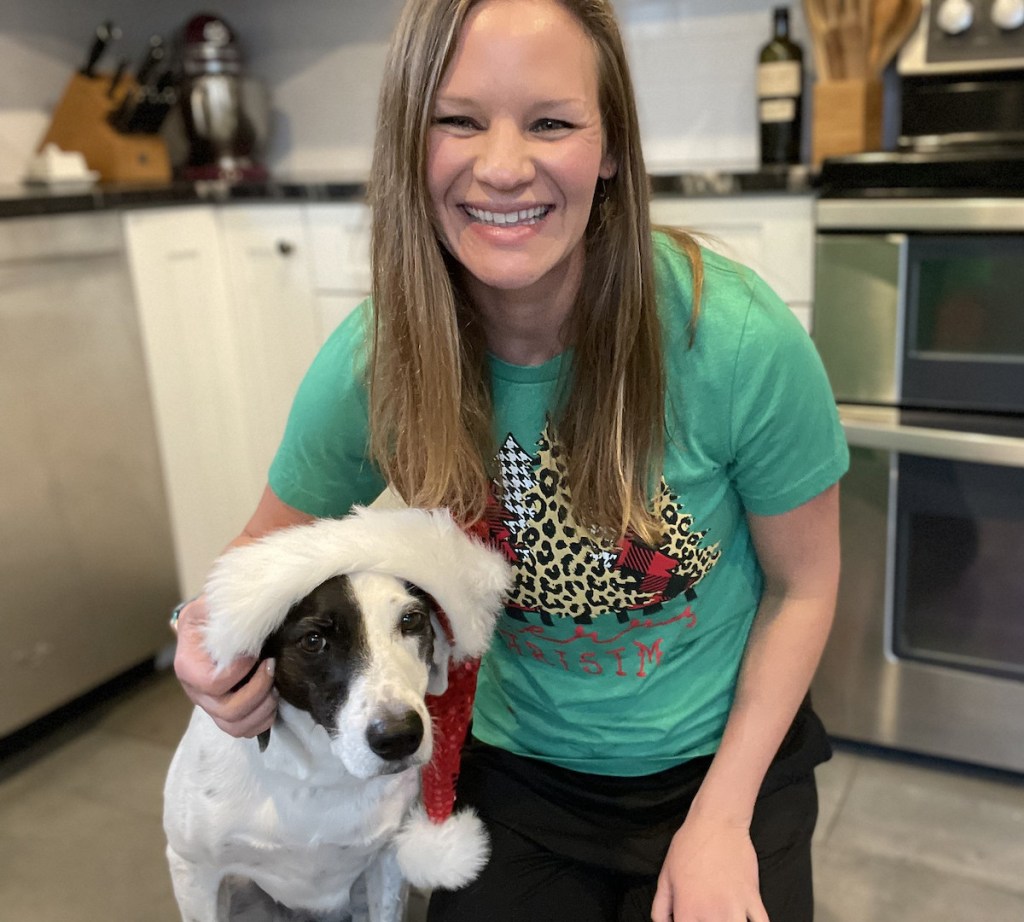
{"x": 778, "y": 78}
{"x": 777, "y": 110}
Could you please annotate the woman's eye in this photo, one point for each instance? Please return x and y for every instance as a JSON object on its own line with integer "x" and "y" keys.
{"x": 543, "y": 125}
{"x": 413, "y": 621}
{"x": 313, "y": 642}
{"x": 456, "y": 122}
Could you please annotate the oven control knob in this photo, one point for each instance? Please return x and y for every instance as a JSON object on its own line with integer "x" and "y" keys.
{"x": 1008, "y": 14}
{"x": 955, "y": 16}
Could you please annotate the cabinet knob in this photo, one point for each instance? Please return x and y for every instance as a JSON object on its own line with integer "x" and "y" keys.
{"x": 285, "y": 247}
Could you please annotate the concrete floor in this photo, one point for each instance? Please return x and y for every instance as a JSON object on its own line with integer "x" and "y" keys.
{"x": 900, "y": 839}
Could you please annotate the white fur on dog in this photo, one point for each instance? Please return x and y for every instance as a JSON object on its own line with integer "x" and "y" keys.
{"x": 292, "y": 819}
{"x": 396, "y": 679}
{"x": 251, "y": 588}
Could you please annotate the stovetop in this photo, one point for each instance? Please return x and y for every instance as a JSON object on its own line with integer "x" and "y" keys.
{"x": 943, "y": 173}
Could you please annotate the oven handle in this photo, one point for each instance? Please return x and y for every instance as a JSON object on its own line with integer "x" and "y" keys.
{"x": 879, "y": 428}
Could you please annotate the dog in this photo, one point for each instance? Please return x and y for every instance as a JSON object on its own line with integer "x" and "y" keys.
{"x": 364, "y": 616}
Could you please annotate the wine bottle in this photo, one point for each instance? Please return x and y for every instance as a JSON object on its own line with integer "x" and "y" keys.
{"x": 780, "y": 80}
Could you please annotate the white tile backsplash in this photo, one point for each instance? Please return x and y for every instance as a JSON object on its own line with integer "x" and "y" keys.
{"x": 693, "y": 67}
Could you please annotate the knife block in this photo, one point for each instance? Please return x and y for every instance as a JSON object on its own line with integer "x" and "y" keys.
{"x": 847, "y": 118}
{"x": 79, "y": 123}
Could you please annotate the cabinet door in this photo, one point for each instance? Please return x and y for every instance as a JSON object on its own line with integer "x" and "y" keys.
{"x": 333, "y": 307}
{"x": 339, "y": 235}
{"x": 273, "y": 314}
{"x": 772, "y": 234}
{"x": 229, "y": 319}
{"x": 195, "y": 362}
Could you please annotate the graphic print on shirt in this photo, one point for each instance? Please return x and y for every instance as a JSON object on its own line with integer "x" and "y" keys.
{"x": 562, "y": 572}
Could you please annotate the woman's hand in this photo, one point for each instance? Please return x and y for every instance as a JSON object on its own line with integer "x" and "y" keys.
{"x": 245, "y": 711}
{"x": 709, "y": 875}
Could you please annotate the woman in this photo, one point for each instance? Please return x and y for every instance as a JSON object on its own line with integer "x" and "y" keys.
{"x": 641, "y": 427}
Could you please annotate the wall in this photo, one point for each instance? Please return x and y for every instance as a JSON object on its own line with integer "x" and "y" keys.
{"x": 693, "y": 63}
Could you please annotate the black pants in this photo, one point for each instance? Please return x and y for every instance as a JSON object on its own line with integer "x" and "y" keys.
{"x": 588, "y": 848}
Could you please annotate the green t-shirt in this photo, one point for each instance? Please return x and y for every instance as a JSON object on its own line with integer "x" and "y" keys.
{"x": 616, "y": 659}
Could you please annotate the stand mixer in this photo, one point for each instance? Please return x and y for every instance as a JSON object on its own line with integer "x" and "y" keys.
{"x": 226, "y": 115}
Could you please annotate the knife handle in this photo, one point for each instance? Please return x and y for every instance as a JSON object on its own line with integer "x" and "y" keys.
{"x": 115, "y": 81}
{"x": 154, "y": 55}
{"x": 106, "y": 32}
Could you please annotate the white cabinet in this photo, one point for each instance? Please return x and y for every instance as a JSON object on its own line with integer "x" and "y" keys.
{"x": 339, "y": 236}
{"x": 773, "y": 234}
{"x": 229, "y": 322}
{"x": 234, "y": 301}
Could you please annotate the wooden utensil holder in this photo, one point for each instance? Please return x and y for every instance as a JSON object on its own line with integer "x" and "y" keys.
{"x": 79, "y": 123}
{"x": 847, "y": 118}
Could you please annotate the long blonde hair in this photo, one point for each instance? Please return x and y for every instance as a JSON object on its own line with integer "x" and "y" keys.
{"x": 430, "y": 402}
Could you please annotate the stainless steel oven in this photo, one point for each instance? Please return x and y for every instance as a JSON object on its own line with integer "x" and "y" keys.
{"x": 919, "y": 318}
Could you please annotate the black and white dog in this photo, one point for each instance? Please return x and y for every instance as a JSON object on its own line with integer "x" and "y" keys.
{"x": 348, "y": 609}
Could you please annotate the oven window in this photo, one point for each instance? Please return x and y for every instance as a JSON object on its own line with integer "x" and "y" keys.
{"x": 968, "y": 295}
{"x": 959, "y": 579}
{"x": 964, "y": 323}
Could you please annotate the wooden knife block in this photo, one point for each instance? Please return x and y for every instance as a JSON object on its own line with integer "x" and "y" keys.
{"x": 79, "y": 123}
{"x": 847, "y": 118}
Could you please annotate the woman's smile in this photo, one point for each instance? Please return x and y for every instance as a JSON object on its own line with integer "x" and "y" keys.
{"x": 508, "y": 219}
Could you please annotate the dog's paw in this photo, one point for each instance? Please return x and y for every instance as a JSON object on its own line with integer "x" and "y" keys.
{"x": 445, "y": 855}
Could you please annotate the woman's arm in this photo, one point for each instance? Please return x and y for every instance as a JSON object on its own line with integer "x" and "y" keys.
{"x": 710, "y": 872}
{"x": 250, "y": 709}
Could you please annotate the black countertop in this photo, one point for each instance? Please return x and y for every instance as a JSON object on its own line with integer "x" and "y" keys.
{"x": 24, "y": 200}
{"x": 799, "y": 180}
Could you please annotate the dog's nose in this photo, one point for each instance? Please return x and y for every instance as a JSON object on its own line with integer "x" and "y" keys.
{"x": 396, "y": 735}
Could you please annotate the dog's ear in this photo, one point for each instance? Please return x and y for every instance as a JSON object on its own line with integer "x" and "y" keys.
{"x": 271, "y": 648}
{"x": 441, "y": 648}
{"x": 437, "y": 683}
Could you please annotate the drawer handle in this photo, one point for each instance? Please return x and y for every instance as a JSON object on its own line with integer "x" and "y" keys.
{"x": 285, "y": 247}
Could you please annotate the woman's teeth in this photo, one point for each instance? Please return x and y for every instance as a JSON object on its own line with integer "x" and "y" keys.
{"x": 508, "y": 218}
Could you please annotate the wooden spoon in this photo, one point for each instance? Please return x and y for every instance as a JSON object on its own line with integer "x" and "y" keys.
{"x": 854, "y": 40}
{"x": 892, "y": 23}
{"x": 815, "y": 14}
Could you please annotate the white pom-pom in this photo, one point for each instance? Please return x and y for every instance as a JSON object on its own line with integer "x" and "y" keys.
{"x": 445, "y": 855}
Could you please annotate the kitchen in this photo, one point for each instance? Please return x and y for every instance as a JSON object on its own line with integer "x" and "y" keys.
{"x": 699, "y": 122}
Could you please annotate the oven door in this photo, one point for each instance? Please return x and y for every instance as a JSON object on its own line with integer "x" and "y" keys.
{"x": 927, "y": 651}
{"x": 923, "y": 319}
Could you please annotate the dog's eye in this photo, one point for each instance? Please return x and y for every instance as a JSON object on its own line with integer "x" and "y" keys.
{"x": 414, "y": 621}
{"x": 313, "y": 642}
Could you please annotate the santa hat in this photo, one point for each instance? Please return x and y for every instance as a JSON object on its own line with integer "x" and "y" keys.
{"x": 252, "y": 588}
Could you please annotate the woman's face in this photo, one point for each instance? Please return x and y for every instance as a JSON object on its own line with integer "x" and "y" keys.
{"x": 516, "y": 146}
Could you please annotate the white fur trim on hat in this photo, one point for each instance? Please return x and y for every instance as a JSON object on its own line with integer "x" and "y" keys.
{"x": 448, "y": 855}
{"x": 251, "y": 588}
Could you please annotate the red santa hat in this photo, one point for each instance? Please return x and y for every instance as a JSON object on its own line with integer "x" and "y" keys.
{"x": 251, "y": 589}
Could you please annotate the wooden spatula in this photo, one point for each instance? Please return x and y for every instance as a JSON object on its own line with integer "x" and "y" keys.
{"x": 892, "y": 21}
